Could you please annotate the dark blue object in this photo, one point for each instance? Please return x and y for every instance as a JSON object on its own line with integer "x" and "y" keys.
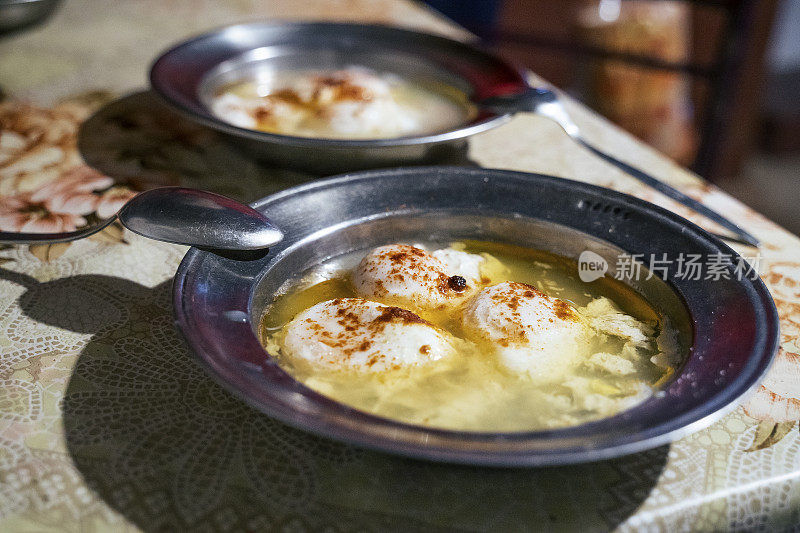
{"x": 478, "y": 16}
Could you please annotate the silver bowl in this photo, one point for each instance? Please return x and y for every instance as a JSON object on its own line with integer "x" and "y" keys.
{"x": 186, "y": 75}
{"x": 729, "y": 326}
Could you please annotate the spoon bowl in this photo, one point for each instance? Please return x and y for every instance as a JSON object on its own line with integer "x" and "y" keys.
{"x": 182, "y": 216}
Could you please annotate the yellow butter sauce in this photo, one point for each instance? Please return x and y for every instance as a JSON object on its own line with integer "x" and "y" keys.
{"x": 471, "y": 390}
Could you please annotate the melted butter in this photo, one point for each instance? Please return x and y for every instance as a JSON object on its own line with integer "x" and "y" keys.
{"x": 471, "y": 390}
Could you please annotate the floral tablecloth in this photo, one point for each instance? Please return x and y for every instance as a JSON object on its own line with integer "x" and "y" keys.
{"x": 107, "y": 424}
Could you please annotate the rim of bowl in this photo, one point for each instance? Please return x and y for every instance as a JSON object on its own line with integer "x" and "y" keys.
{"x": 202, "y": 114}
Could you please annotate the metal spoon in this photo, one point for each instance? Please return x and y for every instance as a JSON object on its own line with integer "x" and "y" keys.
{"x": 181, "y": 216}
{"x": 546, "y": 103}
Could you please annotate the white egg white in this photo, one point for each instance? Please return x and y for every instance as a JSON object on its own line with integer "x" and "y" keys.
{"x": 356, "y": 334}
{"x": 409, "y": 276}
{"x": 528, "y": 331}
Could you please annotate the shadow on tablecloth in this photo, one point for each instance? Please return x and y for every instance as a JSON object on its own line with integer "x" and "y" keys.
{"x": 163, "y": 445}
{"x": 167, "y": 448}
{"x": 141, "y": 143}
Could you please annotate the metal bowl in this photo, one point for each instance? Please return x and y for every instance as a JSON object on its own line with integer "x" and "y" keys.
{"x": 729, "y": 326}
{"x": 187, "y": 74}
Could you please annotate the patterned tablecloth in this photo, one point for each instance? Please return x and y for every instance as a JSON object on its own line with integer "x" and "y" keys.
{"x": 107, "y": 424}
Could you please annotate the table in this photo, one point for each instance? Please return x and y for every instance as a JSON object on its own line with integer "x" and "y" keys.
{"x": 107, "y": 424}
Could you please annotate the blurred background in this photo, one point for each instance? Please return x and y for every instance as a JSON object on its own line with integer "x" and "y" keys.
{"x": 714, "y": 84}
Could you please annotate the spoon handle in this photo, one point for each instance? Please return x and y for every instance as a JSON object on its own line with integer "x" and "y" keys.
{"x": 743, "y": 236}
{"x": 10, "y": 237}
{"x": 547, "y": 103}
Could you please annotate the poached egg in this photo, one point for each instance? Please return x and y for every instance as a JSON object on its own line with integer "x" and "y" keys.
{"x": 529, "y": 331}
{"x": 409, "y": 276}
{"x": 356, "y": 334}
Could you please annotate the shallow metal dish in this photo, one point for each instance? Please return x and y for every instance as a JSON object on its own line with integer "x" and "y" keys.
{"x": 187, "y": 74}
{"x": 731, "y": 326}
